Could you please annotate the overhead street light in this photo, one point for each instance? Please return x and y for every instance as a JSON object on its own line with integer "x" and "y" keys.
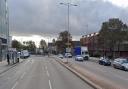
{"x": 68, "y": 23}
{"x": 70, "y": 4}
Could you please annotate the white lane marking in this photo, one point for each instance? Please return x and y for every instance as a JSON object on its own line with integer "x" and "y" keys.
{"x": 32, "y": 62}
{"x": 15, "y": 85}
{"x": 48, "y": 73}
{"x": 27, "y": 62}
{"x": 46, "y": 68}
{"x": 22, "y": 76}
{"x": 50, "y": 85}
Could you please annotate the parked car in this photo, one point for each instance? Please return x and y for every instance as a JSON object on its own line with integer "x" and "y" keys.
{"x": 60, "y": 56}
{"x": 68, "y": 55}
{"x": 79, "y": 58}
{"x": 121, "y": 63}
{"x": 24, "y": 54}
{"x": 104, "y": 61}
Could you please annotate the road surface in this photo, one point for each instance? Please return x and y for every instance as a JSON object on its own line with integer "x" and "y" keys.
{"x": 116, "y": 76}
{"x": 40, "y": 73}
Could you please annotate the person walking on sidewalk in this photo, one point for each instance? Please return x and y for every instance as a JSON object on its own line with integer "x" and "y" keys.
{"x": 8, "y": 58}
{"x": 18, "y": 56}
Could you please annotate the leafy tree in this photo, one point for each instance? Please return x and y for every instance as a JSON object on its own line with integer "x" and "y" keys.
{"x": 112, "y": 34}
{"x": 29, "y": 45}
{"x": 16, "y": 44}
{"x": 43, "y": 44}
{"x": 62, "y": 42}
{"x": 53, "y": 41}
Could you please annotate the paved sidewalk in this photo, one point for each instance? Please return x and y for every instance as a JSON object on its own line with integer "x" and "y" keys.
{"x": 4, "y": 65}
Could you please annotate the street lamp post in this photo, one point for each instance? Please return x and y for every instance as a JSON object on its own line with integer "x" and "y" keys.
{"x": 68, "y": 22}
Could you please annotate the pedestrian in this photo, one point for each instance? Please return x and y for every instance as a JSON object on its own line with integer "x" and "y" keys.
{"x": 13, "y": 57}
{"x": 8, "y": 58}
{"x": 18, "y": 56}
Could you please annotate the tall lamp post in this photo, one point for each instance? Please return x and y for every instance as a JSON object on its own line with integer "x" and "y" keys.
{"x": 68, "y": 22}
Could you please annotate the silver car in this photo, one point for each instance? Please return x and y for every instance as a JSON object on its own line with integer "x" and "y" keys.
{"x": 125, "y": 66}
{"x": 79, "y": 58}
{"x": 121, "y": 63}
{"x": 60, "y": 56}
{"x": 68, "y": 55}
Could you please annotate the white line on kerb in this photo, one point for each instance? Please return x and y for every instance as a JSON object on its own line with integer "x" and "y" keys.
{"x": 50, "y": 85}
{"x": 15, "y": 85}
{"x": 22, "y": 75}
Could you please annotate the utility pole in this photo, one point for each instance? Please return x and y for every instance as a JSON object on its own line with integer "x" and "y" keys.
{"x": 68, "y": 22}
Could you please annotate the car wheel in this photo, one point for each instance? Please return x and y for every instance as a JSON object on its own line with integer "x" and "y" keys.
{"x": 103, "y": 63}
{"x": 99, "y": 63}
{"x": 123, "y": 68}
{"x": 114, "y": 66}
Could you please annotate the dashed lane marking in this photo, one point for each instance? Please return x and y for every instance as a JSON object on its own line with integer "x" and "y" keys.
{"x": 48, "y": 74}
{"x": 50, "y": 85}
{"x": 22, "y": 76}
{"x": 15, "y": 85}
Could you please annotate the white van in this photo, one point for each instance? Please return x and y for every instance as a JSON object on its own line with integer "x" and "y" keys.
{"x": 85, "y": 53}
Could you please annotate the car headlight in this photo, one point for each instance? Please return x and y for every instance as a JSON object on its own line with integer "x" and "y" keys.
{"x": 126, "y": 66}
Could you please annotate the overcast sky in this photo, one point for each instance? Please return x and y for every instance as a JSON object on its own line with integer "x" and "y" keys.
{"x": 48, "y": 17}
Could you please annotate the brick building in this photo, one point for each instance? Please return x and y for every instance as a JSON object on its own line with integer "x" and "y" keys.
{"x": 95, "y": 49}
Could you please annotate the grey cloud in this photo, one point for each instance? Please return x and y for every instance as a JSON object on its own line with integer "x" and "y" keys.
{"x": 39, "y": 17}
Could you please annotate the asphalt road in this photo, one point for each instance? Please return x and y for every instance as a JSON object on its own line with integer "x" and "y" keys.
{"x": 116, "y": 76}
{"x": 40, "y": 73}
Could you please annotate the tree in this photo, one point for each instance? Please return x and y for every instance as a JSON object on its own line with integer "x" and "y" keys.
{"x": 53, "y": 41}
{"x": 43, "y": 44}
{"x": 112, "y": 34}
{"x": 54, "y": 46}
{"x": 29, "y": 45}
{"x": 62, "y": 42}
{"x": 63, "y": 36}
{"x": 16, "y": 44}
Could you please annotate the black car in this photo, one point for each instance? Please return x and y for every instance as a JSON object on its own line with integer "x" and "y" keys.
{"x": 104, "y": 61}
